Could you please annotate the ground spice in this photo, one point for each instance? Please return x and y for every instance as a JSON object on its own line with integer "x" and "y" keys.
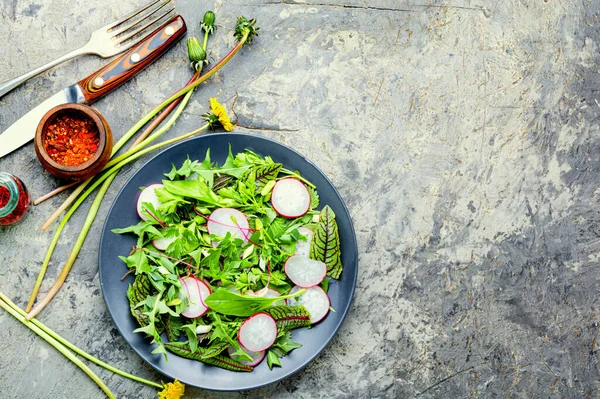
{"x": 23, "y": 200}
{"x": 71, "y": 139}
{"x": 4, "y": 196}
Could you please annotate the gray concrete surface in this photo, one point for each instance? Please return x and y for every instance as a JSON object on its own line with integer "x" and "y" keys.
{"x": 463, "y": 136}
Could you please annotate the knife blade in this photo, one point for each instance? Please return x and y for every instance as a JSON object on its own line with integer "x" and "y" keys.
{"x": 98, "y": 84}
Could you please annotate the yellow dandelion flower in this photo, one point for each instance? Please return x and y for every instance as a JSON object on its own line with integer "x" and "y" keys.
{"x": 173, "y": 390}
{"x": 219, "y": 111}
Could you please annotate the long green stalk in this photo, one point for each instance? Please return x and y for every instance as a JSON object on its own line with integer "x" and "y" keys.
{"x": 73, "y": 197}
{"x": 59, "y": 347}
{"x": 107, "y": 178}
{"x": 75, "y": 349}
{"x": 117, "y": 146}
{"x": 81, "y": 186}
{"x": 92, "y": 213}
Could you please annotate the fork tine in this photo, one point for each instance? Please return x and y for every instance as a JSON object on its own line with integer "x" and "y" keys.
{"x": 131, "y": 25}
{"x": 137, "y": 31}
{"x": 129, "y": 16}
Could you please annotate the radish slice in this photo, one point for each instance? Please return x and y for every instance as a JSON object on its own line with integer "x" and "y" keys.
{"x": 258, "y": 332}
{"x": 257, "y": 357}
{"x": 305, "y": 272}
{"x": 193, "y": 176}
{"x": 195, "y": 291}
{"x": 148, "y": 195}
{"x": 290, "y": 198}
{"x": 221, "y": 222}
{"x": 163, "y": 243}
{"x": 303, "y": 247}
{"x": 314, "y": 299}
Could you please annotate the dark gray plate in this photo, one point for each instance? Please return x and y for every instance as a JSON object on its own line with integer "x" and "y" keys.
{"x": 123, "y": 213}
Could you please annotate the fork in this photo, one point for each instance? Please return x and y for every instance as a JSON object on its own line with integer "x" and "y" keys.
{"x": 107, "y": 41}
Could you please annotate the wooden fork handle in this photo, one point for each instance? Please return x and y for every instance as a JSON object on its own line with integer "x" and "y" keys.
{"x": 133, "y": 61}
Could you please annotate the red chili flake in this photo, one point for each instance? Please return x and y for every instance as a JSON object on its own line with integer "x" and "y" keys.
{"x": 71, "y": 139}
{"x": 4, "y": 196}
{"x": 22, "y": 204}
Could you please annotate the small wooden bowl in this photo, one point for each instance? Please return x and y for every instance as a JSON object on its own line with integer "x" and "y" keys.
{"x": 83, "y": 170}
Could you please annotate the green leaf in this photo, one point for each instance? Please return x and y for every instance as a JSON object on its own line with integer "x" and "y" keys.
{"x": 325, "y": 245}
{"x": 325, "y": 284}
{"x": 281, "y": 348}
{"x": 173, "y": 327}
{"x": 314, "y": 197}
{"x": 206, "y": 356}
{"x": 137, "y": 293}
{"x": 172, "y": 174}
{"x": 263, "y": 174}
{"x": 232, "y": 304}
{"x": 139, "y": 261}
{"x": 277, "y": 228}
{"x": 231, "y": 168}
{"x": 272, "y": 360}
{"x": 145, "y": 226}
{"x": 289, "y": 317}
{"x": 169, "y": 201}
{"x": 196, "y": 189}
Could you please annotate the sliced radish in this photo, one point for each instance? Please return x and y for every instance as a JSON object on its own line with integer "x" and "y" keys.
{"x": 303, "y": 247}
{"x": 305, "y": 272}
{"x": 257, "y": 357}
{"x": 195, "y": 291}
{"x": 228, "y": 220}
{"x": 314, "y": 299}
{"x": 193, "y": 176}
{"x": 258, "y": 332}
{"x": 148, "y": 195}
{"x": 290, "y": 198}
{"x": 163, "y": 243}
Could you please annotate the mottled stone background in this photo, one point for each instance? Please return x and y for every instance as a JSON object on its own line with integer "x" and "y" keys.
{"x": 463, "y": 136}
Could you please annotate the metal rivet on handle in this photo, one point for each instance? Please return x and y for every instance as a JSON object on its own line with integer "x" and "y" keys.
{"x": 169, "y": 31}
{"x": 135, "y": 57}
{"x": 98, "y": 82}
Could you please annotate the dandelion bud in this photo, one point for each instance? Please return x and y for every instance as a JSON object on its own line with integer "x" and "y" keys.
{"x": 208, "y": 23}
{"x": 196, "y": 52}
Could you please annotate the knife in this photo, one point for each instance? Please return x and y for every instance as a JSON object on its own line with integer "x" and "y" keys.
{"x": 98, "y": 84}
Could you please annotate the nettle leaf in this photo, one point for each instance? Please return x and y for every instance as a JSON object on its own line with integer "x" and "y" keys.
{"x": 263, "y": 174}
{"x": 325, "y": 245}
{"x": 314, "y": 197}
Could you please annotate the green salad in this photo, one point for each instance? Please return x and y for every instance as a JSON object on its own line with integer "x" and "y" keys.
{"x": 229, "y": 259}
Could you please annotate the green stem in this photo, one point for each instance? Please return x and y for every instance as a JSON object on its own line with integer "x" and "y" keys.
{"x": 296, "y": 176}
{"x": 154, "y": 136}
{"x": 59, "y": 347}
{"x": 76, "y": 248}
{"x": 108, "y": 177}
{"x": 75, "y": 349}
{"x": 205, "y": 43}
{"x": 180, "y": 93}
{"x": 78, "y": 191}
{"x": 207, "y": 75}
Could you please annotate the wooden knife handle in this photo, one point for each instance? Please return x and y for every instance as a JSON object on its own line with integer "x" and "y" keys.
{"x": 133, "y": 61}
